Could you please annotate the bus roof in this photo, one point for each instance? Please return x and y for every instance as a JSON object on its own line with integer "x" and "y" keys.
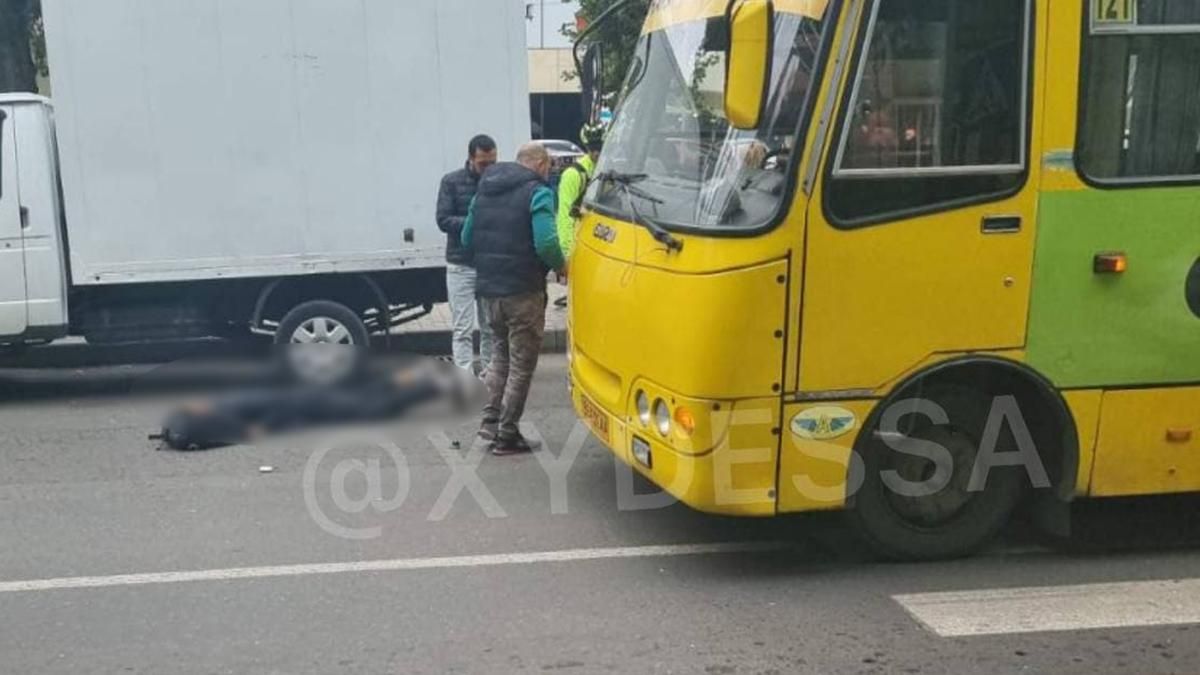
{"x": 667, "y": 13}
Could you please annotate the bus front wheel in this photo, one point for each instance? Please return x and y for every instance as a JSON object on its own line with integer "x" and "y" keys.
{"x": 918, "y": 500}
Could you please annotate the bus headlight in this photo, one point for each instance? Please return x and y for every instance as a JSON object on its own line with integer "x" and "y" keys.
{"x": 643, "y": 408}
{"x": 662, "y": 417}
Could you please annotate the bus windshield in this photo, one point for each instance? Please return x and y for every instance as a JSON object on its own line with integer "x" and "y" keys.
{"x": 693, "y": 170}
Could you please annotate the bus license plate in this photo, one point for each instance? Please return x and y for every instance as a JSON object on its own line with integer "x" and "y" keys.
{"x": 596, "y": 418}
{"x": 642, "y": 453}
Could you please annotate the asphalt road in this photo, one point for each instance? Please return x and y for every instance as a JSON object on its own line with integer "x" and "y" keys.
{"x": 115, "y": 557}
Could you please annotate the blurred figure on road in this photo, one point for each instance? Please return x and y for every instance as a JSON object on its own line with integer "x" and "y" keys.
{"x": 511, "y": 233}
{"x": 250, "y": 412}
{"x": 454, "y": 200}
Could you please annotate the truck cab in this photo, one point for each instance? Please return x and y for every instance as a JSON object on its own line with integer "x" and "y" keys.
{"x": 33, "y": 282}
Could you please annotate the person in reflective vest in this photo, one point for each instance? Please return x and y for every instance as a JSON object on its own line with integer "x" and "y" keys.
{"x": 573, "y": 185}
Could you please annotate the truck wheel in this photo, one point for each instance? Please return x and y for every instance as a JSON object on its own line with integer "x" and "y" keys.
{"x": 322, "y": 342}
{"x": 953, "y": 521}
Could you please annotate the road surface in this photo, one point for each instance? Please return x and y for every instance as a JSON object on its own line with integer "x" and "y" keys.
{"x": 389, "y": 550}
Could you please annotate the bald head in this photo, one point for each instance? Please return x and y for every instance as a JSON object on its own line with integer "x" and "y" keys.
{"x": 534, "y": 157}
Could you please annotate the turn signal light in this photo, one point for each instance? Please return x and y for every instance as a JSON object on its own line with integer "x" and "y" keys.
{"x": 1110, "y": 263}
{"x": 686, "y": 420}
{"x": 1179, "y": 435}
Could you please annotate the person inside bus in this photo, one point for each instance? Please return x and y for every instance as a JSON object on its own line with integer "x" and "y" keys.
{"x": 875, "y": 144}
{"x": 512, "y": 235}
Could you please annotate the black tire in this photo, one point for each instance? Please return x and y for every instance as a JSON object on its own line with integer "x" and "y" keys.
{"x": 341, "y": 326}
{"x": 955, "y": 521}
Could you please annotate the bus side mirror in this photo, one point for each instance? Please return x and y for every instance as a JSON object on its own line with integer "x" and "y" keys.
{"x": 591, "y": 75}
{"x": 748, "y": 61}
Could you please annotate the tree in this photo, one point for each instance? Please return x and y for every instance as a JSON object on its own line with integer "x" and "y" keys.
{"x": 618, "y": 36}
{"x": 22, "y": 49}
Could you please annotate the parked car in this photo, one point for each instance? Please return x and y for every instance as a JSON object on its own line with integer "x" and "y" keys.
{"x": 562, "y": 155}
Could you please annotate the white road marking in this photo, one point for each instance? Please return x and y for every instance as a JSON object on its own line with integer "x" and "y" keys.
{"x": 1057, "y": 608}
{"x": 398, "y": 565}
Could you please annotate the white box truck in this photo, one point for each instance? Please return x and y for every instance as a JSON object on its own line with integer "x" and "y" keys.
{"x": 245, "y": 166}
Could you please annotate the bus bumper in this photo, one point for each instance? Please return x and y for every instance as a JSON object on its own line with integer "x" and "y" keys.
{"x": 732, "y": 478}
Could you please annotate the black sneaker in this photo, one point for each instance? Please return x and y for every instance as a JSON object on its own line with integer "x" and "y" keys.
{"x": 507, "y": 447}
{"x": 489, "y": 429}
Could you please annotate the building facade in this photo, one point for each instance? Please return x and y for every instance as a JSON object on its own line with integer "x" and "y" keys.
{"x": 554, "y": 97}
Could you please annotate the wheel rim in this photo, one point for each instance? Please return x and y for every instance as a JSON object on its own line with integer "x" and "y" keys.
{"x": 322, "y": 350}
{"x": 322, "y": 330}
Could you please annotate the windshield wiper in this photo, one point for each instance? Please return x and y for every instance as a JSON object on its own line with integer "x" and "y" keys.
{"x": 627, "y": 183}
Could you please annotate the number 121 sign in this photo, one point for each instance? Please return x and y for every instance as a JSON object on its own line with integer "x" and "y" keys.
{"x": 1112, "y": 13}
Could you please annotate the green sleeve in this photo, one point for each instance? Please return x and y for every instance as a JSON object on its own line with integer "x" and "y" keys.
{"x": 569, "y": 187}
{"x": 468, "y": 226}
{"x": 545, "y": 229}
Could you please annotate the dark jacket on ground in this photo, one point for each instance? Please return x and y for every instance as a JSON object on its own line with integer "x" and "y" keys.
{"x": 454, "y": 202}
{"x": 511, "y": 232}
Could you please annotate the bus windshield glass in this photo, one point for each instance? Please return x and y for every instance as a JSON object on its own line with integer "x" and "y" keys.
{"x": 692, "y": 169}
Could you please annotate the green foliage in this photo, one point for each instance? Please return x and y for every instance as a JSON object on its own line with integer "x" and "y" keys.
{"x": 706, "y": 110}
{"x": 37, "y": 39}
{"x": 619, "y": 36}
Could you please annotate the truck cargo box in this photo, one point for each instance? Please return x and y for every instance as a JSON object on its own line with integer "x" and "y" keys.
{"x": 204, "y": 139}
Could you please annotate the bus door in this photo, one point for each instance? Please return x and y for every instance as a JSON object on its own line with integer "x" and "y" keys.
{"x": 921, "y": 225}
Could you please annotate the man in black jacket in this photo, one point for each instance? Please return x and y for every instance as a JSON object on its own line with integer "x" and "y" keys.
{"x": 454, "y": 200}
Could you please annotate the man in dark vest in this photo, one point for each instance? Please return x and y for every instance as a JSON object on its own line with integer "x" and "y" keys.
{"x": 511, "y": 234}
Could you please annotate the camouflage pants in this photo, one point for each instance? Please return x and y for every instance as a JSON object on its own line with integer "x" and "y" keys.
{"x": 518, "y": 323}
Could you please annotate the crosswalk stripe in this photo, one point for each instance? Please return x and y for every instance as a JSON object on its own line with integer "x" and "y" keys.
{"x": 1056, "y": 608}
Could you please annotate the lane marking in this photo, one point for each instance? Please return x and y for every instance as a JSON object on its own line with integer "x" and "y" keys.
{"x": 397, "y": 565}
{"x": 1056, "y": 608}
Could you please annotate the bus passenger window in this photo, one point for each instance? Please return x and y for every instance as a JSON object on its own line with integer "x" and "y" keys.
{"x": 937, "y": 113}
{"x": 1140, "y": 116}
{"x": 940, "y": 87}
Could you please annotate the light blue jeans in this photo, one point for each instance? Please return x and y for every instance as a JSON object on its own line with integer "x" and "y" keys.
{"x": 466, "y": 316}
